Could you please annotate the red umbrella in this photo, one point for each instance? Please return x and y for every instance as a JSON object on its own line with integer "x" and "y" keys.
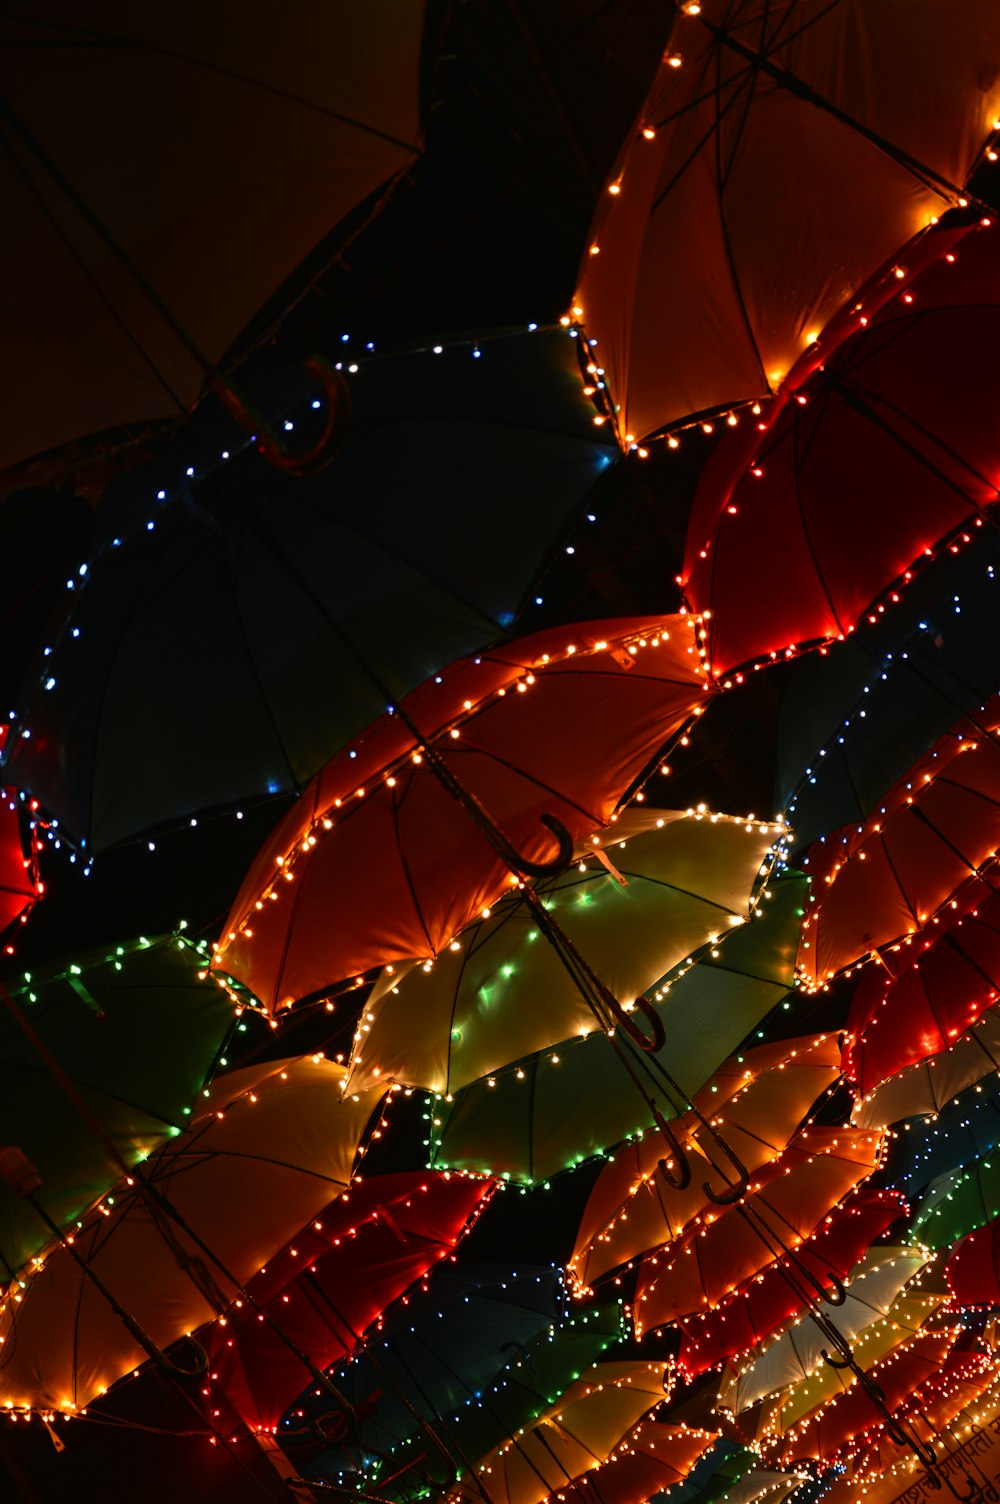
{"x": 332, "y": 1281}
{"x": 918, "y": 1005}
{"x": 974, "y": 1267}
{"x": 20, "y": 887}
{"x": 719, "y": 1259}
{"x": 880, "y": 882}
{"x": 769, "y": 175}
{"x": 888, "y": 449}
{"x": 557, "y": 725}
{"x": 834, "y": 1248}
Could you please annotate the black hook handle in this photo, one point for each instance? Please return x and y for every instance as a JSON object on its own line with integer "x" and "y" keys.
{"x": 198, "y": 1369}
{"x": 835, "y": 1362}
{"x": 839, "y": 1293}
{"x": 732, "y": 1193}
{"x": 274, "y": 449}
{"x": 682, "y": 1179}
{"x": 554, "y": 865}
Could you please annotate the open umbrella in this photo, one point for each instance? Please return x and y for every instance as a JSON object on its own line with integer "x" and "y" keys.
{"x": 135, "y": 149}
{"x": 655, "y": 1459}
{"x": 175, "y": 1243}
{"x": 764, "y": 183}
{"x": 102, "y": 1058}
{"x": 973, "y": 1269}
{"x": 838, "y": 1243}
{"x": 310, "y": 603}
{"x": 927, "y": 1087}
{"x": 578, "y": 1434}
{"x": 883, "y": 881}
{"x": 719, "y": 1258}
{"x": 915, "y": 1006}
{"x": 500, "y": 993}
{"x": 757, "y": 1101}
{"x": 899, "y": 410}
{"x": 957, "y": 1203}
{"x": 398, "y": 835}
{"x": 19, "y": 881}
{"x": 549, "y": 1111}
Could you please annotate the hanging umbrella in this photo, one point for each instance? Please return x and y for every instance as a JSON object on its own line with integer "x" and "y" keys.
{"x": 853, "y": 719}
{"x": 916, "y": 1007}
{"x": 765, "y": 183}
{"x": 719, "y": 1258}
{"x": 550, "y": 1111}
{"x": 878, "y": 883}
{"x": 929, "y": 1086}
{"x": 308, "y": 602}
{"x": 332, "y": 1281}
{"x": 501, "y": 993}
{"x": 272, "y": 1146}
{"x": 840, "y": 1240}
{"x": 757, "y": 1101}
{"x": 957, "y": 1203}
{"x": 101, "y": 1059}
{"x": 655, "y": 1459}
{"x": 973, "y": 1270}
{"x": 20, "y": 887}
{"x": 590, "y": 1421}
{"x": 379, "y": 840}
{"x": 901, "y": 409}
{"x": 797, "y": 1353}
{"x": 966, "y": 1128}
{"x": 136, "y": 147}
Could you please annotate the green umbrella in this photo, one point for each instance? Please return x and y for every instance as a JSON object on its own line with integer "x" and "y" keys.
{"x": 550, "y": 1111}
{"x": 501, "y": 992}
{"x": 958, "y": 1203}
{"x": 118, "y": 1040}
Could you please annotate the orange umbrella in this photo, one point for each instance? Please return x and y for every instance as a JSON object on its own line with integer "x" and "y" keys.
{"x": 721, "y": 1256}
{"x": 757, "y": 1101}
{"x": 389, "y": 836}
{"x": 765, "y": 182}
{"x": 652, "y": 1460}
{"x": 881, "y": 882}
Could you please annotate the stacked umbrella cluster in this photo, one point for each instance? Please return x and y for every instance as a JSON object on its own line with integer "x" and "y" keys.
{"x": 574, "y": 745}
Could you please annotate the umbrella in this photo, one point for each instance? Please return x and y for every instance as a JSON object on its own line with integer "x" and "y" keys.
{"x": 764, "y": 183}
{"x": 834, "y": 1248}
{"x": 549, "y": 1111}
{"x": 310, "y": 603}
{"x": 853, "y": 719}
{"x": 332, "y": 1281}
{"x": 101, "y": 1059}
{"x": 578, "y": 1434}
{"x": 878, "y": 883}
{"x": 957, "y": 1203}
{"x": 719, "y": 1258}
{"x": 378, "y": 839}
{"x": 797, "y": 1353}
{"x": 19, "y": 882}
{"x": 500, "y": 993}
{"x": 899, "y": 410}
{"x": 757, "y": 1101}
{"x": 272, "y": 1146}
{"x": 966, "y": 1128}
{"x": 654, "y": 1459}
{"x": 929, "y": 1086}
{"x": 135, "y": 147}
{"x": 973, "y": 1270}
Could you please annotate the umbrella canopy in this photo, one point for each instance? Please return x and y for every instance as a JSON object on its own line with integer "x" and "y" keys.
{"x": 769, "y": 1301}
{"x": 336, "y": 1277}
{"x": 19, "y": 883}
{"x": 757, "y": 1102}
{"x": 821, "y": 1166}
{"x": 377, "y": 838}
{"x": 135, "y": 149}
{"x": 797, "y": 1353}
{"x": 957, "y": 1203}
{"x": 878, "y": 883}
{"x": 550, "y": 1111}
{"x": 501, "y": 993}
{"x": 899, "y": 410}
{"x": 133, "y": 1031}
{"x": 577, "y": 1435}
{"x": 973, "y": 1269}
{"x": 918, "y": 1005}
{"x": 764, "y": 183}
{"x": 654, "y": 1459}
{"x": 312, "y": 603}
{"x": 966, "y": 1128}
{"x": 272, "y": 1146}
{"x": 929, "y": 1086}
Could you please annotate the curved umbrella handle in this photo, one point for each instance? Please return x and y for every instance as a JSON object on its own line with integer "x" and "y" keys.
{"x": 179, "y": 1371}
{"x": 732, "y": 1193}
{"x": 554, "y": 865}
{"x": 682, "y": 1179}
{"x": 652, "y": 1043}
{"x": 274, "y": 449}
{"x": 835, "y": 1362}
{"x": 839, "y": 1293}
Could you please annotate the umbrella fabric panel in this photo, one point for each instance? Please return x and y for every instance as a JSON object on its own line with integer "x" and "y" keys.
{"x": 743, "y": 213}
{"x": 137, "y": 146}
{"x": 502, "y": 992}
{"x": 927, "y": 1087}
{"x": 378, "y": 843}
